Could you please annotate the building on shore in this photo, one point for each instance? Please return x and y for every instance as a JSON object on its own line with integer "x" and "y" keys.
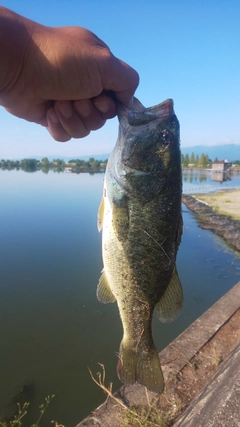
{"x": 221, "y": 166}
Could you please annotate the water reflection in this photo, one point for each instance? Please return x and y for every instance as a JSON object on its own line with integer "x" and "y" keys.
{"x": 203, "y": 181}
{"x": 221, "y": 176}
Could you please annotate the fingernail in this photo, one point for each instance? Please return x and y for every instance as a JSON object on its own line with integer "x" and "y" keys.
{"x": 53, "y": 116}
{"x": 102, "y": 106}
{"x": 83, "y": 108}
{"x": 65, "y": 109}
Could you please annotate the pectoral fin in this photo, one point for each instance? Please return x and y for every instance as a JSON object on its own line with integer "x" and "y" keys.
{"x": 170, "y": 304}
{"x": 100, "y": 215}
{"x": 104, "y": 293}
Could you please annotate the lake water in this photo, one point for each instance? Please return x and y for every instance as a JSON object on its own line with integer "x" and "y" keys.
{"x": 52, "y": 326}
{"x": 205, "y": 181}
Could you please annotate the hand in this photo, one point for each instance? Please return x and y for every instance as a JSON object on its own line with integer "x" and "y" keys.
{"x": 63, "y": 78}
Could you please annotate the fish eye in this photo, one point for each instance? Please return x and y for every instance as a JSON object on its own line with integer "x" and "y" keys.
{"x": 166, "y": 137}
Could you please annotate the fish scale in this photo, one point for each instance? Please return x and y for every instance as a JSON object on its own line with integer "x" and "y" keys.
{"x": 141, "y": 223}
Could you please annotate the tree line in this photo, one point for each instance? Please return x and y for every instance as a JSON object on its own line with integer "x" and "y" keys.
{"x": 201, "y": 161}
{"x": 57, "y": 165}
{"x": 91, "y": 165}
{"x": 197, "y": 161}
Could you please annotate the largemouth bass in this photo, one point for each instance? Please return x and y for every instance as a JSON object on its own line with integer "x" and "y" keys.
{"x": 141, "y": 223}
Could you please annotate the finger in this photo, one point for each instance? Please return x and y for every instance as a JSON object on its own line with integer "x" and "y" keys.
{"x": 106, "y": 105}
{"x": 89, "y": 114}
{"x": 75, "y": 120}
{"x": 70, "y": 120}
{"x": 55, "y": 128}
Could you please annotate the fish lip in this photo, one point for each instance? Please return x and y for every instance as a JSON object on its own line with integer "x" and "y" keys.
{"x": 165, "y": 108}
{"x": 140, "y": 115}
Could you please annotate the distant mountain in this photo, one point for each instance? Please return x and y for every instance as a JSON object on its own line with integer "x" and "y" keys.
{"x": 95, "y": 156}
{"x": 228, "y": 152}
{"x": 67, "y": 158}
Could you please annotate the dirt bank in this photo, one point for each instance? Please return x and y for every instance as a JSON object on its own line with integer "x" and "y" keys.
{"x": 210, "y": 218}
{"x": 223, "y": 202}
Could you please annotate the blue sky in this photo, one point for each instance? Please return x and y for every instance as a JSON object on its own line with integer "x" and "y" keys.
{"x": 182, "y": 49}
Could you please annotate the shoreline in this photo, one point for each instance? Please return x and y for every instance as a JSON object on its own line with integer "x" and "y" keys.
{"x": 211, "y": 217}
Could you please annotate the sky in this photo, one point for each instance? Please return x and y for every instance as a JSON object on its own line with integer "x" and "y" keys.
{"x": 182, "y": 49}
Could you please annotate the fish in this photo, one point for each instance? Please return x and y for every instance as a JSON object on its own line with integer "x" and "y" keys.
{"x": 141, "y": 222}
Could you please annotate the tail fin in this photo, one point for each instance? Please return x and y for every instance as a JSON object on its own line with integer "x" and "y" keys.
{"x": 141, "y": 365}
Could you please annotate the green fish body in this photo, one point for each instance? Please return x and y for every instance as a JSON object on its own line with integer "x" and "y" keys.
{"x": 141, "y": 223}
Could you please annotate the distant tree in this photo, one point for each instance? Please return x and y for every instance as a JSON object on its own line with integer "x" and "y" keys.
{"x": 192, "y": 159}
{"x": 17, "y": 164}
{"x": 59, "y": 162}
{"x": 45, "y": 161}
{"x": 207, "y": 161}
{"x": 9, "y": 164}
{"x": 202, "y": 160}
{"x": 45, "y": 165}
{"x": 77, "y": 162}
{"x": 29, "y": 165}
{"x": 96, "y": 164}
{"x": 3, "y": 164}
{"x": 58, "y": 165}
{"x": 185, "y": 160}
{"x": 215, "y": 160}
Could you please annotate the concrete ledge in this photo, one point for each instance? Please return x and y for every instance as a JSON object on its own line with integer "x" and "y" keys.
{"x": 219, "y": 402}
{"x": 173, "y": 358}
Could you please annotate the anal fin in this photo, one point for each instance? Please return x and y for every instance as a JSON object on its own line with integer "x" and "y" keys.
{"x": 104, "y": 292}
{"x": 170, "y": 304}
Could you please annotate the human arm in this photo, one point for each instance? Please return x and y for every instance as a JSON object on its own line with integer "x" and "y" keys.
{"x": 63, "y": 78}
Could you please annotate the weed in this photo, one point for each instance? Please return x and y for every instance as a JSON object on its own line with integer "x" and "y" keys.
{"x": 43, "y": 408}
{"x": 17, "y": 419}
{"x": 150, "y": 415}
{"x": 101, "y": 383}
{"x": 216, "y": 360}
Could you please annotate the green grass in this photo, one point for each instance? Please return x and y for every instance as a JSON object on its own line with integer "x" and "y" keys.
{"x": 149, "y": 417}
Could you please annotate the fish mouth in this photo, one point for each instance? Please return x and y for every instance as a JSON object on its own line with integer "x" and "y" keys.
{"x": 163, "y": 109}
{"x": 139, "y": 115}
